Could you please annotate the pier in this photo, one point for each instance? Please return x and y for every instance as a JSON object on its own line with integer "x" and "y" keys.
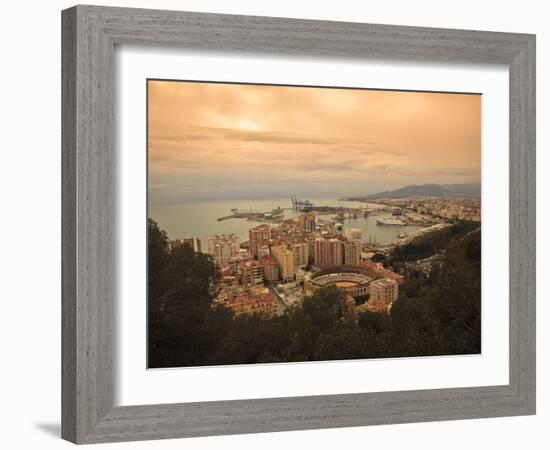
{"x": 241, "y": 215}
{"x": 340, "y": 213}
{"x": 275, "y": 215}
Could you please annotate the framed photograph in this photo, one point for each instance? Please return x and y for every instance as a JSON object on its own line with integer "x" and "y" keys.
{"x": 278, "y": 224}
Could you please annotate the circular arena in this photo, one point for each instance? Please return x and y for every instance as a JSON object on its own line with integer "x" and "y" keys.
{"x": 352, "y": 279}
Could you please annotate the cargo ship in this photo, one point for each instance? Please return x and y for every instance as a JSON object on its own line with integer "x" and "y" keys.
{"x": 391, "y": 221}
{"x": 276, "y": 213}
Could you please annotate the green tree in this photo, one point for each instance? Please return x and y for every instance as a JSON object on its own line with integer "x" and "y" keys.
{"x": 378, "y": 257}
{"x": 179, "y": 302}
{"x": 158, "y": 255}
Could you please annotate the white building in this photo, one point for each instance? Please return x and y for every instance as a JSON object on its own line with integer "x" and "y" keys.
{"x": 352, "y": 252}
{"x": 222, "y": 247}
{"x": 383, "y": 291}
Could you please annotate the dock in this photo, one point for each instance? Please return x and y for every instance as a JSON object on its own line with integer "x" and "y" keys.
{"x": 268, "y": 216}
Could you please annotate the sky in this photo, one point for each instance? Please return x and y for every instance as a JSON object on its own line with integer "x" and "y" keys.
{"x": 209, "y": 141}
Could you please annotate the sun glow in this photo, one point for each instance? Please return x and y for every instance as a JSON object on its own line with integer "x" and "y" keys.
{"x": 247, "y": 125}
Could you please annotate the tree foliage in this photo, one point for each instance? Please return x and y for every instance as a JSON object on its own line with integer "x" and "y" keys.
{"x": 425, "y": 246}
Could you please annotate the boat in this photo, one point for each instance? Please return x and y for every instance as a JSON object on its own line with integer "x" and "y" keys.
{"x": 391, "y": 221}
{"x": 402, "y": 235}
{"x": 274, "y": 213}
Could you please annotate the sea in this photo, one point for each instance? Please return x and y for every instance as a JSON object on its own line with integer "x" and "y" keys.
{"x": 199, "y": 218}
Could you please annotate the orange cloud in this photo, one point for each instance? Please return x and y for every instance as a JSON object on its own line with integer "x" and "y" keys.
{"x": 280, "y": 138}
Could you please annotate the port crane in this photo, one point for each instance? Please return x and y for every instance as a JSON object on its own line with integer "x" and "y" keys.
{"x": 301, "y": 205}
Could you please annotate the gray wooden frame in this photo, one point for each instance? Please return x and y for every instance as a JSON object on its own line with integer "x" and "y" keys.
{"x": 89, "y": 36}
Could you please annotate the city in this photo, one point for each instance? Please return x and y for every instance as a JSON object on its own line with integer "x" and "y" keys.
{"x": 286, "y": 260}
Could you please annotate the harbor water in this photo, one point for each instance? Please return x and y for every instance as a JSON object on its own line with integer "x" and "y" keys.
{"x": 200, "y": 219}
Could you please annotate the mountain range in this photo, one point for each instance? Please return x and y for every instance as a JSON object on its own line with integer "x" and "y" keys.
{"x": 426, "y": 190}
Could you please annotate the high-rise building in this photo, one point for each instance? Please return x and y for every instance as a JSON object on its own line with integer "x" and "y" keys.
{"x": 222, "y": 247}
{"x": 258, "y": 236}
{"x": 320, "y": 253}
{"x": 327, "y": 252}
{"x": 354, "y": 234}
{"x": 252, "y": 273}
{"x": 285, "y": 261}
{"x": 234, "y": 262}
{"x": 301, "y": 254}
{"x": 383, "y": 291}
{"x": 352, "y": 252}
{"x": 264, "y": 250}
{"x": 193, "y": 243}
{"x": 335, "y": 253}
{"x": 271, "y": 270}
{"x": 307, "y": 221}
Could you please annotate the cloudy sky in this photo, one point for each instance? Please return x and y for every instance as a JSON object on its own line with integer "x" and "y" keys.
{"x": 214, "y": 141}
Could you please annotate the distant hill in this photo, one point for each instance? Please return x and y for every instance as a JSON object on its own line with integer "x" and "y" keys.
{"x": 427, "y": 190}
